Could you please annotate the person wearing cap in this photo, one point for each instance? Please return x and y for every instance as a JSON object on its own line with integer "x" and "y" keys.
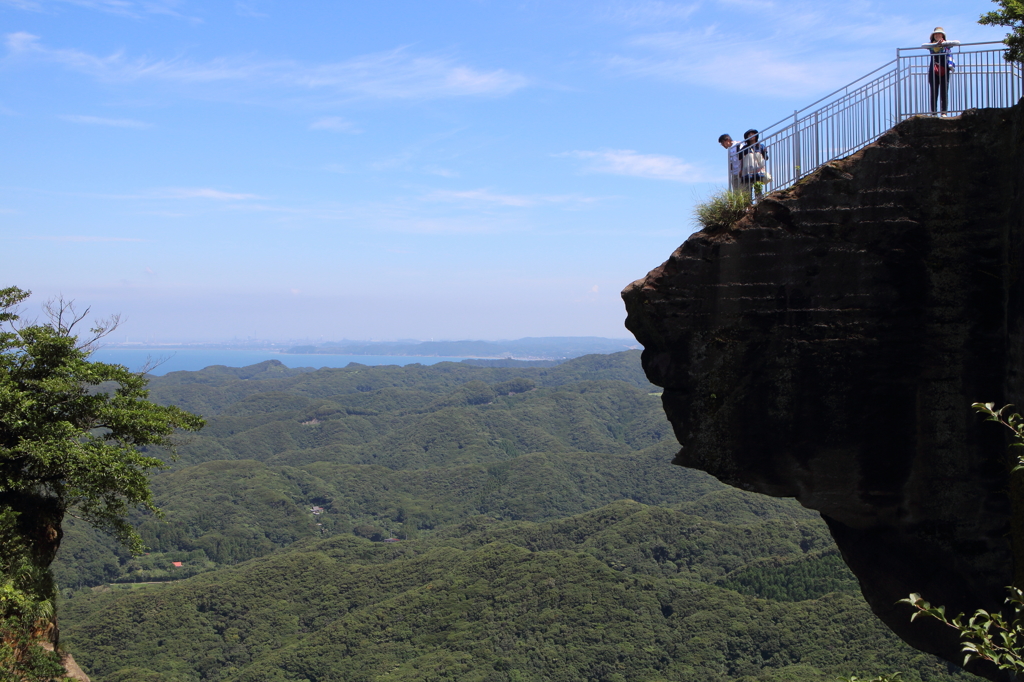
{"x": 938, "y": 68}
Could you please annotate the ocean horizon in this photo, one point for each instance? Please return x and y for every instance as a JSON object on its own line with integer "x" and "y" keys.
{"x": 195, "y": 359}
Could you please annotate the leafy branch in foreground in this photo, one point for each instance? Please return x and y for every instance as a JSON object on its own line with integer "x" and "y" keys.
{"x": 987, "y": 636}
{"x": 1013, "y": 421}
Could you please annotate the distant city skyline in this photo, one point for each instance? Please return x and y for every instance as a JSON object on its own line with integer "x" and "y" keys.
{"x": 462, "y": 169}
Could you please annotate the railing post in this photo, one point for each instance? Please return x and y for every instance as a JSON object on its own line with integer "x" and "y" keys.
{"x": 817, "y": 141}
{"x": 899, "y": 88}
{"x": 797, "y": 163}
{"x": 728, "y": 171}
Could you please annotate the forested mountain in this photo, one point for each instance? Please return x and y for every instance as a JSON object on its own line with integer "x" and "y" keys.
{"x": 458, "y": 522}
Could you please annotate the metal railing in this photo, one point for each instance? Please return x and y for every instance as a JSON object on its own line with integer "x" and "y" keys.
{"x": 856, "y": 115}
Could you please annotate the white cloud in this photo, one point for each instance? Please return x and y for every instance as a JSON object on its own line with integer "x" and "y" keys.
{"x": 779, "y": 55}
{"x": 629, "y": 162}
{"x": 396, "y": 74}
{"x": 485, "y": 196}
{"x": 113, "y": 122}
{"x": 201, "y": 193}
{"x": 334, "y": 124}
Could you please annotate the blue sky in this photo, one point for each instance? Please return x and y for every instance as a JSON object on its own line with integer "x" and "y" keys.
{"x": 392, "y": 169}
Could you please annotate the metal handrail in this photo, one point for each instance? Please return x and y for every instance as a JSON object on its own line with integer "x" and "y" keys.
{"x": 860, "y": 112}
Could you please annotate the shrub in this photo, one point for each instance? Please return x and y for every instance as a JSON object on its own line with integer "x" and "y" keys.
{"x": 721, "y": 210}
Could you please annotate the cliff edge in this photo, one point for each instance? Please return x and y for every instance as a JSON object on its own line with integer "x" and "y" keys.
{"x": 828, "y": 347}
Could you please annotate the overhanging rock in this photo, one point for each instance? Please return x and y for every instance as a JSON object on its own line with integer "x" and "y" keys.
{"x": 829, "y": 346}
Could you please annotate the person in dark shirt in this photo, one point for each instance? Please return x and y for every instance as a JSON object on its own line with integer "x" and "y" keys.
{"x": 939, "y": 68}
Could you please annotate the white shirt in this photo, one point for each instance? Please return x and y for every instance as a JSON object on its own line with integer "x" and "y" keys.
{"x": 734, "y": 158}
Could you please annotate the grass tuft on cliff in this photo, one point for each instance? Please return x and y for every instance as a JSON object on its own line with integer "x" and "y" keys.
{"x": 721, "y": 210}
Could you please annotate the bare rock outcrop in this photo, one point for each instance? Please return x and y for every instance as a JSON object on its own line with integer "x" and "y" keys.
{"x": 828, "y": 348}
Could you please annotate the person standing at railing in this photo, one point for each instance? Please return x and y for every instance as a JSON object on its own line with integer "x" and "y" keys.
{"x": 753, "y": 160}
{"x": 940, "y": 68}
{"x": 734, "y": 160}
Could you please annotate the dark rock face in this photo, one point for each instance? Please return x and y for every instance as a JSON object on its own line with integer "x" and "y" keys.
{"x": 829, "y": 346}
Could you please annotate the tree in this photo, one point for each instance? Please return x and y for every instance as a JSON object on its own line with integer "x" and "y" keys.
{"x": 73, "y": 435}
{"x": 1012, "y": 15}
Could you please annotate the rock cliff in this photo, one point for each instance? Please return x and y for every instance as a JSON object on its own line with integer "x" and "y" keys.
{"x": 829, "y": 345}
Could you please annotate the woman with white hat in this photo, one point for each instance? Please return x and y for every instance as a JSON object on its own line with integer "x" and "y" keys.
{"x": 939, "y": 68}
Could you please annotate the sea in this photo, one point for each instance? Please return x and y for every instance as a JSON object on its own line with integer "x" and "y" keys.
{"x": 194, "y": 359}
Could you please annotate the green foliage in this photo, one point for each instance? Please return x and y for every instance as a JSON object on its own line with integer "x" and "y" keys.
{"x": 25, "y": 613}
{"x": 65, "y": 441}
{"x": 402, "y": 459}
{"x": 1011, "y": 420}
{"x": 71, "y": 439}
{"x": 1011, "y": 14}
{"x": 986, "y": 636}
{"x": 542, "y": 535}
{"x": 721, "y": 210}
{"x": 808, "y": 577}
{"x": 619, "y": 593}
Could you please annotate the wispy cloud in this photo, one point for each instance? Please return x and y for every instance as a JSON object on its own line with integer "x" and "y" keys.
{"x": 201, "y": 193}
{"x": 246, "y": 9}
{"x": 124, "y": 8}
{"x": 334, "y": 124}
{"x": 83, "y": 238}
{"x": 486, "y": 196}
{"x": 27, "y": 5}
{"x": 463, "y": 225}
{"x": 641, "y": 12}
{"x": 779, "y": 57}
{"x": 395, "y": 74}
{"x": 629, "y": 162}
{"x": 113, "y": 122}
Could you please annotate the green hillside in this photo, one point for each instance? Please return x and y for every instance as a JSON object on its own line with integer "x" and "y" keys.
{"x": 536, "y": 532}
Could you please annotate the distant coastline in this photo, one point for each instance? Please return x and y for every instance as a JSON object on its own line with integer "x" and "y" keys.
{"x": 161, "y": 358}
{"x": 525, "y": 349}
